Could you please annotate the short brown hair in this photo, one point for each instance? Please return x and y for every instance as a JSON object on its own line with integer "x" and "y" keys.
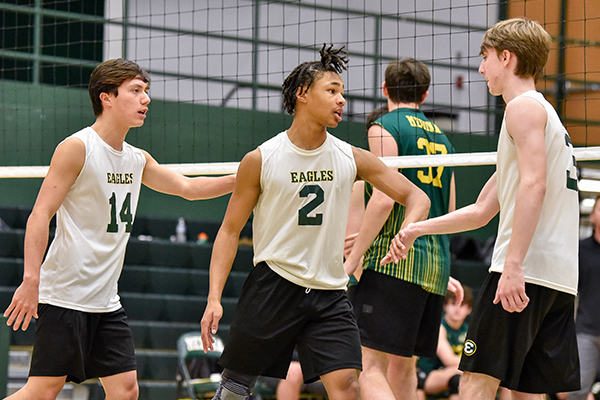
{"x": 407, "y": 80}
{"x": 467, "y": 299}
{"x": 526, "y": 38}
{"x": 108, "y": 76}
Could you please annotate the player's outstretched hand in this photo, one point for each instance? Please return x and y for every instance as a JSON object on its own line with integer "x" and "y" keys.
{"x": 395, "y": 253}
{"x": 401, "y": 244}
{"x": 23, "y": 306}
{"x": 408, "y": 235}
{"x": 210, "y": 324}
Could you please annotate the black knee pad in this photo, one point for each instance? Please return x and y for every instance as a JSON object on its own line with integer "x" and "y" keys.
{"x": 453, "y": 384}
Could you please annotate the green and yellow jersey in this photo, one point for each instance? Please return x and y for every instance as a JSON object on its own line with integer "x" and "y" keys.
{"x": 428, "y": 261}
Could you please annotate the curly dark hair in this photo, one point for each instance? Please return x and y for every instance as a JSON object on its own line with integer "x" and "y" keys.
{"x": 303, "y": 76}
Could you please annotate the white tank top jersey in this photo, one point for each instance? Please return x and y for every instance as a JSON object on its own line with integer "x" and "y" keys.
{"x": 551, "y": 259}
{"x": 300, "y": 217}
{"x": 93, "y": 225}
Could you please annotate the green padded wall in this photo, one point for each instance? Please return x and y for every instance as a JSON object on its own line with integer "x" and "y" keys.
{"x": 37, "y": 117}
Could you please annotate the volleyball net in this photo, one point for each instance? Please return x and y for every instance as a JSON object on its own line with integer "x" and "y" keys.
{"x": 226, "y": 168}
{"x": 217, "y": 69}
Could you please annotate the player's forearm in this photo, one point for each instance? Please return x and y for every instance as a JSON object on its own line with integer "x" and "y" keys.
{"x": 375, "y": 216}
{"x": 202, "y": 188}
{"x": 36, "y": 241}
{"x": 466, "y": 218}
{"x": 461, "y": 220}
{"x": 223, "y": 254}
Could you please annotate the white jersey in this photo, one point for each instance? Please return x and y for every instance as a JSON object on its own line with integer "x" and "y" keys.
{"x": 300, "y": 217}
{"x": 93, "y": 225}
{"x": 551, "y": 259}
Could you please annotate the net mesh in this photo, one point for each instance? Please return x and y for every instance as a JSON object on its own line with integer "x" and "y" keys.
{"x": 217, "y": 69}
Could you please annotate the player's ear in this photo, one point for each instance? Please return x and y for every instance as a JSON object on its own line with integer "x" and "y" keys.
{"x": 105, "y": 99}
{"x": 301, "y": 94}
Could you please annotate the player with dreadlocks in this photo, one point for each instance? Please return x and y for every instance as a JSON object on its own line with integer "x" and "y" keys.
{"x": 298, "y": 184}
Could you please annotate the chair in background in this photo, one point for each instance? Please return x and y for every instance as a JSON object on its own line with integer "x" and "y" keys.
{"x": 199, "y": 372}
{"x": 197, "y": 369}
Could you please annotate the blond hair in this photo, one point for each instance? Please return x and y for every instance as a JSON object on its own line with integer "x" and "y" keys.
{"x": 525, "y": 38}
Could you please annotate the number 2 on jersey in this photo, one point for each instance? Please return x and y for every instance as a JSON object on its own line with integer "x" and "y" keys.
{"x": 303, "y": 218}
{"x": 124, "y": 214}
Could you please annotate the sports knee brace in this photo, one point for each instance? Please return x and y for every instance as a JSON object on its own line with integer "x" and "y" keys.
{"x": 235, "y": 386}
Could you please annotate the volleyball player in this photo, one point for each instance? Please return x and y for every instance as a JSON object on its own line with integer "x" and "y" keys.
{"x": 522, "y": 332}
{"x": 299, "y": 185}
{"x": 398, "y": 307}
{"x": 92, "y": 186}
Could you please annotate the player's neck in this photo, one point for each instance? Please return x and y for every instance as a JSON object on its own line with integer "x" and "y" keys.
{"x": 113, "y": 135}
{"x": 306, "y": 134}
{"x": 395, "y": 106}
{"x": 597, "y": 233}
{"x": 516, "y": 87}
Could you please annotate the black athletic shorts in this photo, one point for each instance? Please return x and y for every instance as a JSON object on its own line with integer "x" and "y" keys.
{"x": 397, "y": 317}
{"x": 81, "y": 345}
{"x": 274, "y": 315}
{"x": 534, "y": 351}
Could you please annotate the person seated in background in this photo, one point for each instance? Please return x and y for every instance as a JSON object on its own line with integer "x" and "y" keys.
{"x": 440, "y": 375}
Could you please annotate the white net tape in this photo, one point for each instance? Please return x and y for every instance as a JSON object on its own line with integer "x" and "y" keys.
{"x": 449, "y": 160}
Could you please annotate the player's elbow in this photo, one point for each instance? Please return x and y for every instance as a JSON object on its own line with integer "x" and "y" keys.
{"x": 533, "y": 190}
{"x": 383, "y": 202}
{"x": 538, "y": 189}
{"x": 39, "y": 216}
{"x": 192, "y": 189}
{"x": 187, "y": 191}
{"x": 480, "y": 217}
{"x": 421, "y": 201}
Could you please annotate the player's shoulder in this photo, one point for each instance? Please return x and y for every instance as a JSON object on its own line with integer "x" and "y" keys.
{"x": 251, "y": 160}
{"x": 362, "y": 157}
{"x": 528, "y": 102}
{"x": 268, "y": 147}
{"x": 524, "y": 111}
{"x": 340, "y": 144}
{"x": 73, "y": 144}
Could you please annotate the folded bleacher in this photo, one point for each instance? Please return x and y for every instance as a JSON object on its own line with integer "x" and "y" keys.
{"x": 163, "y": 288}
